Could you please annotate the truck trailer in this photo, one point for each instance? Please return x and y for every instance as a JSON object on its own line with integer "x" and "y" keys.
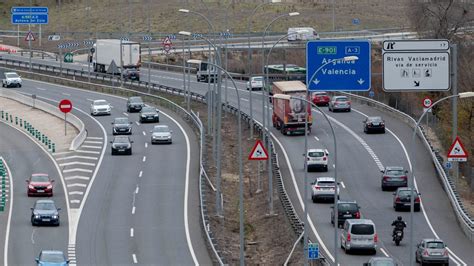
{"x": 107, "y": 55}
{"x": 289, "y": 116}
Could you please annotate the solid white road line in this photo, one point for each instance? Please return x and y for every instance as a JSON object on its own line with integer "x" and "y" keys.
{"x": 76, "y": 193}
{"x": 91, "y": 147}
{"x": 92, "y": 142}
{"x": 75, "y": 201}
{"x": 131, "y": 232}
{"x": 61, "y": 153}
{"x": 134, "y": 258}
{"x": 76, "y": 163}
{"x": 384, "y": 252}
{"x": 140, "y": 174}
{"x": 90, "y": 152}
{"x": 77, "y": 170}
{"x": 77, "y": 177}
{"x": 97, "y": 138}
{"x": 77, "y": 157}
{"x": 10, "y": 209}
{"x": 76, "y": 185}
{"x": 144, "y": 158}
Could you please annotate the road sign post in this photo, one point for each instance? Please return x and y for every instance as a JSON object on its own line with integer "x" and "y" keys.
{"x": 415, "y": 65}
{"x": 337, "y": 74}
{"x": 65, "y": 106}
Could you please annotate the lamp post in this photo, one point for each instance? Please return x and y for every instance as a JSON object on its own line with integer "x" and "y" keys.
{"x": 288, "y": 97}
{"x": 250, "y": 58}
{"x": 412, "y": 181}
{"x": 218, "y": 126}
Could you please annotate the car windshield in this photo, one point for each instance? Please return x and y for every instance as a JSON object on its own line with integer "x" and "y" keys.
{"x": 136, "y": 100}
{"x": 383, "y": 262}
{"x": 396, "y": 172}
{"x": 121, "y": 120}
{"x": 347, "y": 207}
{"x": 148, "y": 110}
{"x": 405, "y": 193}
{"x": 52, "y": 257}
{"x": 341, "y": 99}
{"x": 326, "y": 183}
{"x": 12, "y": 75}
{"x": 45, "y": 206}
{"x": 435, "y": 245}
{"x": 161, "y": 129}
{"x": 375, "y": 119}
{"x": 315, "y": 154}
{"x": 39, "y": 178}
{"x": 320, "y": 94}
{"x": 121, "y": 140}
{"x": 362, "y": 229}
{"x": 257, "y": 79}
{"x": 101, "y": 102}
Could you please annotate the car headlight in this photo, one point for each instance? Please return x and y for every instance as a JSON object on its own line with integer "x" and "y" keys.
{"x": 153, "y": 136}
{"x": 49, "y": 187}
{"x": 169, "y": 136}
{"x": 55, "y": 217}
{"x": 31, "y": 187}
{"x": 37, "y": 216}
{"x": 155, "y": 115}
{"x": 143, "y": 115}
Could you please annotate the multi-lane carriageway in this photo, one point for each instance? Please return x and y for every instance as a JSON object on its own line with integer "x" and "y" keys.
{"x": 360, "y": 158}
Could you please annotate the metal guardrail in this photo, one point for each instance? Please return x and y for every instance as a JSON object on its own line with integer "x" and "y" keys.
{"x": 464, "y": 219}
{"x": 74, "y": 120}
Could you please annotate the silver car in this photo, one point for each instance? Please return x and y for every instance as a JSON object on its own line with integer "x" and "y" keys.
{"x": 12, "y": 79}
{"x": 432, "y": 251}
{"x": 359, "y": 234}
{"x": 161, "y": 134}
{"x": 100, "y": 107}
{"x": 339, "y": 103}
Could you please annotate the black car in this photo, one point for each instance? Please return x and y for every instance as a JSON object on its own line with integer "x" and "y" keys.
{"x": 121, "y": 126}
{"x": 394, "y": 177}
{"x": 374, "y": 124}
{"x": 131, "y": 74}
{"x": 149, "y": 114}
{"x": 121, "y": 145}
{"x": 135, "y": 104}
{"x": 402, "y": 199}
{"x": 346, "y": 210}
{"x": 45, "y": 212}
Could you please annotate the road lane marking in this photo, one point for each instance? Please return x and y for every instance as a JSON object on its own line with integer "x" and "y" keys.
{"x": 342, "y": 184}
{"x": 144, "y": 158}
{"x": 77, "y": 177}
{"x": 244, "y": 99}
{"x": 77, "y": 185}
{"x": 133, "y": 210}
{"x": 77, "y": 170}
{"x": 136, "y": 190}
{"x": 41, "y": 89}
{"x": 75, "y": 201}
{"x": 76, "y": 193}
{"x": 333, "y": 166}
{"x": 131, "y": 232}
{"x": 316, "y": 138}
{"x": 144, "y": 134}
{"x": 140, "y": 174}
{"x": 90, "y": 100}
{"x": 384, "y": 252}
{"x": 32, "y": 237}
{"x": 67, "y": 94}
{"x": 77, "y": 157}
{"x": 136, "y": 122}
{"x": 76, "y": 163}
{"x": 90, "y": 152}
{"x": 146, "y": 144}
{"x": 97, "y": 138}
{"x": 125, "y": 114}
{"x": 92, "y": 142}
{"x": 134, "y": 258}
{"x": 91, "y": 147}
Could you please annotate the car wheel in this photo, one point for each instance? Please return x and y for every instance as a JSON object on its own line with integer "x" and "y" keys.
{"x": 314, "y": 199}
{"x": 396, "y": 208}
{"x": 416, "y": 258}
{"x": 130, "y": 152}
{"x": 325, "y": 168}
{"x": 383, "y": 188}
{"x": 349, "y": 109}
{"x": 19, "y": 85}
{"x": 383, "y": 131}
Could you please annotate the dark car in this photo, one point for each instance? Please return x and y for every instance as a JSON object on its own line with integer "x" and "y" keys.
{"x": 402, "y": 199}
{"x": 381, "y": 261}
{"x": 374, "y": 124}
{"x": 45, "y": 212}
{"x": 40, "y": 185}
{"x": 121, "y": 126}
{"x": 394, "y": 177}
{"x": 135, "y": 104}
{"x": 131, "y": 74}
{"x": 149, "y": 114}
{"x": 51, "y": 257}
{"x": 121, "y": 145}
{"x": 346, "y": 210}
{"x": 320, "y": 98}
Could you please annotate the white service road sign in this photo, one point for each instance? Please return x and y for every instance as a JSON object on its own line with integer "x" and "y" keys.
{"x": 414, "y": 71}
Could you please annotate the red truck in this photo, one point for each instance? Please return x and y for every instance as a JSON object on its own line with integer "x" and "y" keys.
{"x": 289, "y": 115}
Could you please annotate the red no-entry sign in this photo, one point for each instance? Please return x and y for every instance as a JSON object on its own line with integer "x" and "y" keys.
{"x": 65, "y": 106}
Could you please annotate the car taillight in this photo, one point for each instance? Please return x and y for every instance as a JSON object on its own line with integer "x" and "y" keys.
{"x": 385, "y": 177}
{"x": 348, "y": 102}
{"x": 307, "y": 158}
{"x": 348, "y": 237}
{"x": 425, "y": 253}
{"x": 417, "y": 200}
{"x": 357, "y": 215}
{"x": 317, "y": 187}
{"x": 397, "y": 199}
{"x": 446, "y": 253}
{"x": 405, "y": 177}
{"x": 376, "y": 238}
{"x": 368, "y": 123}
{"x": 324, "y": 158}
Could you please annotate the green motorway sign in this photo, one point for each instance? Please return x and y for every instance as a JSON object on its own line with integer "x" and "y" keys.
{"x": 68, "y": 57}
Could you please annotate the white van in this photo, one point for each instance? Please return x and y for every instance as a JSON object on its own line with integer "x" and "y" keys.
{"x": 302, "y": 34}
{"x": 359, "y": 234}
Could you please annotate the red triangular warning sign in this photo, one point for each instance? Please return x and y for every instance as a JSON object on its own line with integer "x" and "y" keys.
{"x": 29, "y": 36}
{"x": 457, "y": 150}
{"x": 258, "y": 152}
{"x": 167, "y": 41}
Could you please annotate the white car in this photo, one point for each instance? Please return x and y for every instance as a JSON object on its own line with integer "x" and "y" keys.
{"x": 100, "y": 107}
{"x": 323, "y": 188}
{"x": 255, "y": 83}
{"x": 161, "y": 134}
{"x": 12, "y": 79}
{"x": 317, "y": 159}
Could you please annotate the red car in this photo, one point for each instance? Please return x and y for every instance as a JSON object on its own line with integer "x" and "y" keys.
{"x": 320, "y": 98}
{"x": 40, "y": 185}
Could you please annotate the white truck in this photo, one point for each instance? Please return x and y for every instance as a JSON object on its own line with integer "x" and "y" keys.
{"x": 302, "y": 34}
{"x": 107, "y": 55}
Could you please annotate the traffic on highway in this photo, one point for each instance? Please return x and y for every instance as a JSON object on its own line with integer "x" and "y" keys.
{"x": 135, "y": 176}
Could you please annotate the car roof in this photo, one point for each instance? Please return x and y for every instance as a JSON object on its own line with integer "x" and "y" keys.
{"x": 158, "y": 126}
{"x": 432, "y": 240}
{"x": 39, "y": 174}
{"x": 45, "y": 201}
{"x": 122, "y": 117}
{"x": 394, "y": 168}
{"x": 325, "y": 179}
{"x": 346, "y": 201}
{"x": 316, "y": 150}
{"x": 374, "y": 117}
{"x": 100, "y": 100}
{"x": 52, "y": 251}
{"x": 360, "y": 221}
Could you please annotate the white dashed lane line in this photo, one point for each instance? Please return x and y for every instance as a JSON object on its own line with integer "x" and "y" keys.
{"x": 146, "y": 144}
{"x": 67, "y": 94}
{"x": 136, "y": 122}
{"x": 133, "y": 210}
{"x": 134, "y": 258}
{"x": 342, "y": 184}
{"x": 140, "y": 174}
{"x": 384, "y": 252}
{"x": 136, "y": 190}
{"x": 144, "y": 133}
{"x": 316, "y": 138}
{"x": 41, "y": 89}
{"x": 125, "y": 114}
{"x": 144, "y": 158}
{"x": 131, "y": 232}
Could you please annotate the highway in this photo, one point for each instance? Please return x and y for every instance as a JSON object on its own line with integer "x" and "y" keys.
{"x": 25, "y": 157}
{"x": 132, "y": 209}
{"x": 360, "y": 158}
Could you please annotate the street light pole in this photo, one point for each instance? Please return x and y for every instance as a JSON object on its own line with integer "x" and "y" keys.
{"x": 412, "y": 181}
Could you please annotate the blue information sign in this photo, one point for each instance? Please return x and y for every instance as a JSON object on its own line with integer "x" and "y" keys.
{"x": 313, "y": 251}
{"x": 29, "y": 18}
{"x": 330, "y": 65}
{"x": 449, "y": 165}
{"x": 355, "y": 21}
{"x": 28, "y": 9}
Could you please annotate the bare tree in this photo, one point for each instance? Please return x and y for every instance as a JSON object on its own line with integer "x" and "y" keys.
{"x": 440, "y": 19}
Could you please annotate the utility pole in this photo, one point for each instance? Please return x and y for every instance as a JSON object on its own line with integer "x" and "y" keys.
{"x": 454, "y": 85}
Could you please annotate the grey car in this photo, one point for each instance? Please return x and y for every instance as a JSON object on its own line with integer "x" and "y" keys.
{"x": 45, "y": 212}
{"x": 381, "y": 261}
{"x": 135, "y": 104}
{"x": 121, "y": 126}
{"x": 339, "y": 103}
{"x": 394, "y": 177}
{"x": 161, "y": 134}
{"x": 149, "y": 114}
{"x": 432, "y": 251}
